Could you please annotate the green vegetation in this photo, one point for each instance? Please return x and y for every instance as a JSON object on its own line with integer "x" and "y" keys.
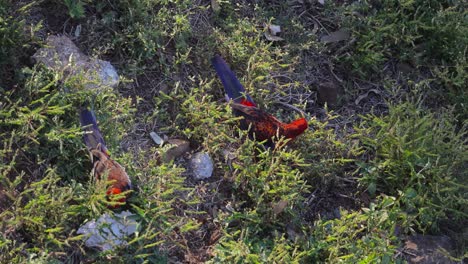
{"x": 388, "y": 160}
{"x": 419, "y": 157}
{"x": 419, "y": 32}
{"x": 428, "y": 35}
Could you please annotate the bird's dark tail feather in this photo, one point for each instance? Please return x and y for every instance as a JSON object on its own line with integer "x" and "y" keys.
{"x": 232, "y": 86}
{"x": 93, "y": 138}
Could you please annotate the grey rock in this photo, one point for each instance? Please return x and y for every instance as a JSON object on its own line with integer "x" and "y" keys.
{"x": 108, "y": 231}
{"x": 62, "y": 55}
{"x": 156, "y": 138}
{"x": 202, "y": 165}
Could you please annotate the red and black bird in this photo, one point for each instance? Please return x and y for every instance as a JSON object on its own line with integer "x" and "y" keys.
{"x": 263, "y": 126}
{"x": 103, "y": 165}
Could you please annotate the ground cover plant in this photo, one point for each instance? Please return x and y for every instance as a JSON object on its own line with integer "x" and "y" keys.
{"x": 382, "y": 84}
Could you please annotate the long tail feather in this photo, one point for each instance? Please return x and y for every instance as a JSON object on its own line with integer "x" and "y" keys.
{"x": 232, "y": 85}
{"x": 93, "y": 138}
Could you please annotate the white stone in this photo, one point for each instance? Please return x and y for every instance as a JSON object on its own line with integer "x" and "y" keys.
{"x": 202, "y": 165}
{"x": 108, "y": 232}
{"x": 62, "y": 55}
{"x": 156, "y": 138}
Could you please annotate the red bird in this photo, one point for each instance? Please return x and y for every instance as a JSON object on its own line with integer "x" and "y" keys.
{"x": 263, "y": 125}
{"x": 103, "y": 165}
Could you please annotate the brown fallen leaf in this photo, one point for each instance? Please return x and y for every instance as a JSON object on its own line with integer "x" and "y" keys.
{"x": 180, "y": 147}
{"x": 339, "y": 35}
{"x": 215, "y": 236}
{"x": 279, "y": 207}
{"x": 411, "y": 245}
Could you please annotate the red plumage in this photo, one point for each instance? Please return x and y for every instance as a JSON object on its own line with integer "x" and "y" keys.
{"x": 103, "y": 166}
{"x": 263, "y": 126}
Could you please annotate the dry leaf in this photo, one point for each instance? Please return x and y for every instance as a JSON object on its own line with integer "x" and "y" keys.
{"x": 180, "y": 147}
{"x": 339, "y": 35}
{"x": 279, "y": 207}
{"x": 215, "y": 236}
{"x": 315, "y": 28}
{"x": 322, "y": 2}
{"x": 362, "y": 96}
{"x": 215, "y": 5}
{"x": 411, "y": 245}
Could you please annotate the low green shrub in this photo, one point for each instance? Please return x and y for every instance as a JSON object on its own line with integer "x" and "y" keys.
{"x": 367, "y": 236}
{"x": 143, "y": 34}
{"x": 16, "y": 40}
{"x": 419, "y": 157}
{"x": 266, "y": 198}
{"x": 48, "y": 190}
{"x": 419, "y": 32}
{"x": 330, "y": 158}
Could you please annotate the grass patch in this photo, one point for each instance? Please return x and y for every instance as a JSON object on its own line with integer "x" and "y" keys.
{"x": 429, "y": 37}
{"x": 420, "y": 157}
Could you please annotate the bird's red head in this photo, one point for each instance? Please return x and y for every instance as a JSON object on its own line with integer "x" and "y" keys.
{"x": 114, "y": 191}
{"x": 295, "y": 128}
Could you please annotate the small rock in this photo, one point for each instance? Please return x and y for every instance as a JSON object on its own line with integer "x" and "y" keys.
{"x": 339, "y": 35}
{"x": 78, "y": 31}
{"x": 202, "y": 165}
{"x": 274, "y": 29}
{"x": 108, "y": 232}
{"x": 327, "y": 93}
{"x": 179, "y": 148}
{"x": 156, "y": 138}
{"x": 61, "y": 54}
{"x": 272, "y": 33}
